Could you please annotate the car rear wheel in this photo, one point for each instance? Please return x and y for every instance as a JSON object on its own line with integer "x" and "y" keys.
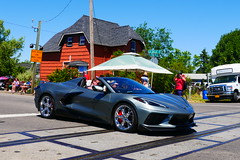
{"x": 125, "y": 118}
{"x": 46, "y": 106}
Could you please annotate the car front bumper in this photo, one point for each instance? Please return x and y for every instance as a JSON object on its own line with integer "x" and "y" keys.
{"x": 160, "y": 122}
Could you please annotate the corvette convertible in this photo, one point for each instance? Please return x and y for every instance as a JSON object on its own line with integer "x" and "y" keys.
{"x": 121, "y": 102}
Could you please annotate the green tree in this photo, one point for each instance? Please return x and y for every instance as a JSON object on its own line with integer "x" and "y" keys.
{"x": 169, "y": 57}
{"x": 147, "y": 34}
{"x": 176, "y": 62}
{"x": 117, "y": 53}
{"x": 202, "y": 62}
{"x": 9, "y": 48}
{"x": 227, "y": 50}
{"x": 157, "y": 39}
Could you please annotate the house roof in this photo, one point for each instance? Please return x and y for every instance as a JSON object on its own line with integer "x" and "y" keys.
{"x": 105, "y": 33}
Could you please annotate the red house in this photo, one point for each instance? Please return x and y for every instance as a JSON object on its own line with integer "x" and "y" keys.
{"x": 71, "y": 47}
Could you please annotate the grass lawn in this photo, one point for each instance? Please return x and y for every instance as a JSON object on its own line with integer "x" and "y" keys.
{"x": 196, "y": 98}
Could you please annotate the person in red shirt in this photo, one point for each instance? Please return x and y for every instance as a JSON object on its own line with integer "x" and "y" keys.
{"x": 180, "y": 80}
{"x": 86, "y": 75}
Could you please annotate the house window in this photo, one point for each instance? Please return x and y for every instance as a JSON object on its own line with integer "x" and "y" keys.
{"x": 69, "y": 41}
{"x": 82, "y": 41}
{"x": 133, "y": 46}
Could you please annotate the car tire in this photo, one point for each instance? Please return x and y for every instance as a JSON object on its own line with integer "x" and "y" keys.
{"x": 125, "y": 118}
{"x": 46, "y": 106}
{"x": 235, "y": 97}
{"x": 211, "y": 99}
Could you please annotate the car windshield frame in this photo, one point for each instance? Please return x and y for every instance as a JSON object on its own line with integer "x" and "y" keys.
{"x": 127, "y": 86}
{"x": 225, "y": 79}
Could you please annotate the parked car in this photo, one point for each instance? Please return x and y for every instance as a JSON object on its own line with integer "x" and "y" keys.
{"x": 226, "y": 82}
{"x": 121, "y": 102}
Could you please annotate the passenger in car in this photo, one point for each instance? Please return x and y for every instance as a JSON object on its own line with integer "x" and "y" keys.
{"x": 94, "y": 82}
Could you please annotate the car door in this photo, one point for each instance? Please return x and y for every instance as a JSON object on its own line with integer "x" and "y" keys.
{"x": 85, "y": 101}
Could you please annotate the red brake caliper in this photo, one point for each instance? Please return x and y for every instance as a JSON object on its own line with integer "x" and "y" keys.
{"x": 119, "y": 119}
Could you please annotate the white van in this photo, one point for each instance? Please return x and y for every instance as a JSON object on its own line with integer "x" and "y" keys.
{"x": 226, "y": 82}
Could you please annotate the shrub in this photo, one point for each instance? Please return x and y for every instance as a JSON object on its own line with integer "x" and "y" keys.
{"x": 25, "y": 76}
{"x": 62, "y": 75}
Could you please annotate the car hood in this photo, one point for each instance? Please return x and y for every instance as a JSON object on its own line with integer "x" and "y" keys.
{"x": 172, "y": 102}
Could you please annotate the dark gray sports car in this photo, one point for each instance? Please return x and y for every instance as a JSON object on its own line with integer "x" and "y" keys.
{"x": 121, "y": 102}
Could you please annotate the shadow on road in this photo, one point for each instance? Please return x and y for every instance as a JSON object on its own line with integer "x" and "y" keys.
{"x": 168, "y": 133}
{"x": 222, "y": 101}
{"x": 146, "y": 133}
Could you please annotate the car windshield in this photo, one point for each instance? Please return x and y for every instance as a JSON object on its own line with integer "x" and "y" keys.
{"x": 225, "y": 79}
{"x": 125, "y": 85}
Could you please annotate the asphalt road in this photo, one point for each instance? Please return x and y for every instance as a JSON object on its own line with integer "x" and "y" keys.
{"x": 25, "y": 135}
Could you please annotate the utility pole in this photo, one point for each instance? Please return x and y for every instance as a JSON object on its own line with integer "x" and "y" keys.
{"x": 91, "y": 37}
{"x": 38, "y": 29}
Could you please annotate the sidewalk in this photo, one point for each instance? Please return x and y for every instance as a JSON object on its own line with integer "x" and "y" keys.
{"x": 16, "y": 93}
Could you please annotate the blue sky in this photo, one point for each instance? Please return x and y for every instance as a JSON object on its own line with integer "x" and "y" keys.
{"x": 194, "y": 24}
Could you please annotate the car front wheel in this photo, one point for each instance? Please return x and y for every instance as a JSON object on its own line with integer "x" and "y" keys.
{"x": 46, "y": 106}
{"x": 125, "y": 118}
{"x": 235, "y": 97}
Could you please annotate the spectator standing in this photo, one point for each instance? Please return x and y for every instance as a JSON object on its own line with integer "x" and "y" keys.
{"x": 86, "y": 75}
{"x": 145, "y": 80}
{"x": 179, "y": 80}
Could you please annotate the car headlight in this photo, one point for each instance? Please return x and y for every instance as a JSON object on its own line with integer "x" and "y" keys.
{"x": 149, "y": 102}
{"x": 229, "y": 88}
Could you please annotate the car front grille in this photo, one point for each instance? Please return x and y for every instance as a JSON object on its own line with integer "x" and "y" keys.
{"x": 181, "y": 119}
{"x": 217, "y": 89}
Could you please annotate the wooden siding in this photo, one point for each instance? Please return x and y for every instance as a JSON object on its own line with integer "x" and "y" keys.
{"x": 47, "y": 67}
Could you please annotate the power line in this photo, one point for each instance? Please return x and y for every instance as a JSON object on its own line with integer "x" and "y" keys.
{"x": 43, "y": 21}
{"x": 59, "y": 13}
{"x": 19, "y": 25}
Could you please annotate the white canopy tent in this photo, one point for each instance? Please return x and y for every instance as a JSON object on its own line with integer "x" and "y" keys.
{"x": 131, "y": 62}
